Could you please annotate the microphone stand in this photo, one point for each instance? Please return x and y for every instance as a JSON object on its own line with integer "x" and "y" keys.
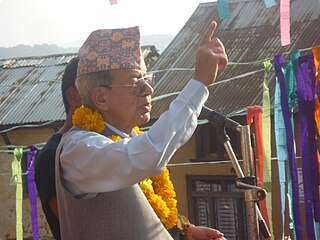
{"x": 247, "y": 181}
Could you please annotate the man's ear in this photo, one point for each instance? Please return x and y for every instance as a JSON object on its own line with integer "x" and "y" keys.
{"x": 73, "y": 97}
{"x": 99, "y": 98}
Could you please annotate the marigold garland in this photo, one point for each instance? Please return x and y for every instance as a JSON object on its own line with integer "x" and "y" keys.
{"x": 159, "y": 190}
{"x": 87, "y": 119}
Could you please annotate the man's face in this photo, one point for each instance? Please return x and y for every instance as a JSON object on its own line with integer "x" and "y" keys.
{"x": 129, "y": 99}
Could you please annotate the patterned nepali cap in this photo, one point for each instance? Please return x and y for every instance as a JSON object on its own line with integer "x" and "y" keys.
{"x": 107, "y": 49}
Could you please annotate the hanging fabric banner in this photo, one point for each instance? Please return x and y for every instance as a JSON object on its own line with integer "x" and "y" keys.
{"x": 278, "y": 63}
{"x": 282, "y": 154}
{"x": 223, "y": 9}
{"x": 112, "y": 2}
{"x": 266, "y": 128}
{"x": 32, "y": 192}
{"x": 285, "y": 22}
{"x": 269, "y": 3}
{"x": 316, "y": 55}
{"x": 255, "y": 113}
{"x": 290, "y": 70}
{"x": 306, "y": 89}
{"x": 16, "y": 179}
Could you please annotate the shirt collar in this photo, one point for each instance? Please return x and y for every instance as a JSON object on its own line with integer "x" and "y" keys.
{"x": 120, "y": 133}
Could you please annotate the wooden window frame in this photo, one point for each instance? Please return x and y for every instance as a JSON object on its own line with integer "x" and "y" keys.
{"x": 237, "y": 196}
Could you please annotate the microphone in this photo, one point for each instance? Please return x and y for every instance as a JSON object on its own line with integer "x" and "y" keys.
{"x": 218, "y": 120}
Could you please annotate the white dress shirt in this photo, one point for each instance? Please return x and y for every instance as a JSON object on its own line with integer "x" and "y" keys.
{"x": 92, "y": 163}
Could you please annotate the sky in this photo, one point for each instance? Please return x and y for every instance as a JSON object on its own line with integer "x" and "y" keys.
{"x": 59, "y": 22}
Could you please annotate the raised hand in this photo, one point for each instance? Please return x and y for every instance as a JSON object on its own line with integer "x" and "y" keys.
{"x": 210, "y": 56}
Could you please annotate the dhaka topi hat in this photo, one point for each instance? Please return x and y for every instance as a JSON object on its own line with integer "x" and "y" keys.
{"x": 107, "y": 49}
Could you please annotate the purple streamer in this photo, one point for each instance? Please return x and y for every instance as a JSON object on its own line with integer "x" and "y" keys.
{"x": 306, "y": 80}
{"x": 32, "y": 192}
{"x": 278, "y": 63}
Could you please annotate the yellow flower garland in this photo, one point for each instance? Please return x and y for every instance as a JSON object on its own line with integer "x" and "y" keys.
{"x": 87, "y": 119}
{"x": 159, "y": 190}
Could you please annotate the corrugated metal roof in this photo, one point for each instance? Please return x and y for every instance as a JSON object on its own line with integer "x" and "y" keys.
{"x": 30, "y": 87}
{"x": 252, "y": 34}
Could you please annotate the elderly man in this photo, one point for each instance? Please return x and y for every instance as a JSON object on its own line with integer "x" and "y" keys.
{"x": 100, "y": 161}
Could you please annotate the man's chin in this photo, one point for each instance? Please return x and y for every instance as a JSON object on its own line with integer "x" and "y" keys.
{"x": 143, "y": 119}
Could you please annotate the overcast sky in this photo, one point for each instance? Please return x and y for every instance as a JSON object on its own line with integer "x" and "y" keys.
{"x": 64, "y": 21}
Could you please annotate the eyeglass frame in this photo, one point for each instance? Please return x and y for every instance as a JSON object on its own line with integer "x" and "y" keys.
{"x": 134, "y": 86}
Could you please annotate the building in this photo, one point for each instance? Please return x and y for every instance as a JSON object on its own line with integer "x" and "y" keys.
{"x": 204, "y": 180}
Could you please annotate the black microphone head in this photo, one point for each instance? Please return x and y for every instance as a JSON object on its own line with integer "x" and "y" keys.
{"x": 206, "y": 113}
{"x": 218, "y": 119}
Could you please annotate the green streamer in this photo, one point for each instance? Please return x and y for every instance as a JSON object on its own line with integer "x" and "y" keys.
{"x": 16, "y": 179}
{"x": 266, "y": 126}
{"x": 267, "y": 67}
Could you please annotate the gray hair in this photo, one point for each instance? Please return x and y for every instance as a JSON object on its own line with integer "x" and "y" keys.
{"x": 87, "y": 82}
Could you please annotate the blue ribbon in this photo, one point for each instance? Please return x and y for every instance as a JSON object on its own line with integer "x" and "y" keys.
{"x": 282, "y": 153}
{"x": 270, "y": 3}
{"x": 223, "y": 9}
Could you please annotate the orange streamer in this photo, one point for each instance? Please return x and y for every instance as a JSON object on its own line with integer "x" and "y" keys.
{"x": 256, "y": 114}
{"x": 316, "y": 54}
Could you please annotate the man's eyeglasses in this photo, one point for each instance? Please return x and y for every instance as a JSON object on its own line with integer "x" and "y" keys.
{"x": 139, "y": 86}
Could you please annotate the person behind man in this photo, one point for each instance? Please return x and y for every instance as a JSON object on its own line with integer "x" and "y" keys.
{"x": 101, "y": 160}
{"x": 45, "y": 160}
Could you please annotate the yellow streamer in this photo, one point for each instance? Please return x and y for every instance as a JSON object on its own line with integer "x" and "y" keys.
{"x": 266, "y": 124}
{"x": 16, "y": 179}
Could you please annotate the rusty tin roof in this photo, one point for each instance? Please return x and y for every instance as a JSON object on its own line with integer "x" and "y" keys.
{"x": 251, "y": 35}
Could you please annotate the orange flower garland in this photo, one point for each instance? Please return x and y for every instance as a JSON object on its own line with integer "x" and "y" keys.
{"x": 159, "y": 190}
{"x": 87, "y": 119}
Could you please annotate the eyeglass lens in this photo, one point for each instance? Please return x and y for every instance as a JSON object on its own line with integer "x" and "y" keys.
{"x": 141, "y": 84}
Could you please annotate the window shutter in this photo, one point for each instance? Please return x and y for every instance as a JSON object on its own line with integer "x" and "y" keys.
{"x": 227, "y": 217}
{"x": 203, "y": 216}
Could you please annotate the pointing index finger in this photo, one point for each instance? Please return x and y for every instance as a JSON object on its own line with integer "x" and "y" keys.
{"x": 209, "y": 34}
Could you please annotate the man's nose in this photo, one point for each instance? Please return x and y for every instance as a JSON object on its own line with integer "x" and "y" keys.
{"x": 147, "y": 89}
